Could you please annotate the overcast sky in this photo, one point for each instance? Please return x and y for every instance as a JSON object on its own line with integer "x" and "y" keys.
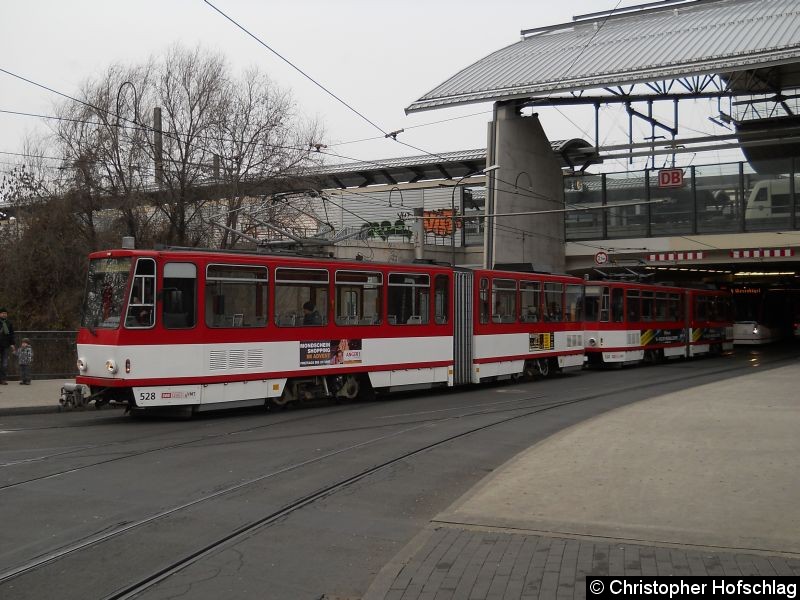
{"x": 378, "y": 56}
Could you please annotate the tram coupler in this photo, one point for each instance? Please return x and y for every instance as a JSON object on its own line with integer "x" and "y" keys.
{"x": 72, "y": 396}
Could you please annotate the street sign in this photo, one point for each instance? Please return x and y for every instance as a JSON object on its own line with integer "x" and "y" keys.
{"x": 601, "y": 258}
{"x": 670, "y": 178}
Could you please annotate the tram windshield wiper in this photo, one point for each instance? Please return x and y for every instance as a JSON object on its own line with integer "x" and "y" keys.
{"x": 90, "y": 327}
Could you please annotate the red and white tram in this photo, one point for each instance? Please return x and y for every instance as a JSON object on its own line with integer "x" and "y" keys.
{"x": 201, "y": 329}
{"x": 627, "y": 322}
{"x": 710, "y": 321}
{"x": 525, "y": 323}
{"x": 206, "y": 329}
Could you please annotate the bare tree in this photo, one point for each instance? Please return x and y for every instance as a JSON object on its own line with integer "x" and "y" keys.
{"x": 221, "y": 140}
{"x": 41, "y": 257}
{"x": 107, "y": 170}
{"x": 258, "y": 138}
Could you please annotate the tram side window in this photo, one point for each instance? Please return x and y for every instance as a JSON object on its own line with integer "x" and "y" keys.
{"x": 504, "y": 301}
{"x": 441, "y": 299}
{"x": 301, "y": 297}
{"x": 617, "y": 304}
{"x": 409, "y": 299}
{"x": 700, "y": 308}
{"x": 647, "y": 305}
{"x": 236, "y": 296}
{"x": 483, "y": 300}
{"x": 661, "y": 307}
{"x": 633, "y": 301}
{"x": 179, "y": 296}
{"x": 142, "y": 299}
{"x": 553, "y": 301}
{"x": 675, "y": 307}
{"x": 716, "y": 308}
{"x": 358, "y": 297}
{"x": 530, "y": 301}
{"x": 574, "y": 303}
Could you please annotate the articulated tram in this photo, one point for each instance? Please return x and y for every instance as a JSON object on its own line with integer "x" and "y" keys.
{"x": 206, "y": 329}
{"x": 633, "y": 322}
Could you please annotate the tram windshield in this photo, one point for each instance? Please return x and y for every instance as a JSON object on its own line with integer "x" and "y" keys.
{"x": 105, "y": 292}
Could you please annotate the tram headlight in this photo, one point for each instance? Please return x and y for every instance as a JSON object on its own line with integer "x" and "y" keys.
{"x": 592, "y": 342}
{"x": 755, "y": 330}
{"x": 82, "y": 366}
{"x": 111, "y": 366}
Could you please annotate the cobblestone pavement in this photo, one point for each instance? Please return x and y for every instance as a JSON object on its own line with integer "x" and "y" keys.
{"x": 456, "y": 563}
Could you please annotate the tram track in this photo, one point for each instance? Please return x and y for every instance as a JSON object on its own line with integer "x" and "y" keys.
{"x": 245, "y": 531}
{"x": 218, "y": 436}
{"x": 196, "y": 440}
{"x": 254, "y": 525}
{"x": 108, "y": 534}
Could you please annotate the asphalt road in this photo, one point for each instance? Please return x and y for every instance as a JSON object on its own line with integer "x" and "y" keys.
{"x": 297, "y": 504}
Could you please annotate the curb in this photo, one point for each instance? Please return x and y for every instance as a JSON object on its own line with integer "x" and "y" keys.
{"x": 382, "y": 584}
{"x": 28, "y": 410}
{"x": 50, "y": 409}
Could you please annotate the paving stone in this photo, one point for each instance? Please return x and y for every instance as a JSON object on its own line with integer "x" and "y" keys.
{"x": 464, "y": 564}
{"x": 746, "y": 565}
{"x": 633, "y": 564}
{"x": 647, "y": 559}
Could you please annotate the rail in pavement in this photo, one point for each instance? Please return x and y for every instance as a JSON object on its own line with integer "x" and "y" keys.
{"x": 700, "y": 482}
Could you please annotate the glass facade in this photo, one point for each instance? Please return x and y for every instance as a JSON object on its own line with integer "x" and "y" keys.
{"x": 723, "y": 198}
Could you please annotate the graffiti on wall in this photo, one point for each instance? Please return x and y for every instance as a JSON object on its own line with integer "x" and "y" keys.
{"x": 440, "y": 222}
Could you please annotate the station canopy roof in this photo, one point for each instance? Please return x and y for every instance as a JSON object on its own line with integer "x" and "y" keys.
{"x": 666, "y": 40}
{"x": 573, "y": 154}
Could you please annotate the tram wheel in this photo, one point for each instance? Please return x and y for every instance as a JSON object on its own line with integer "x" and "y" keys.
{"x": 653, "y": 356}
{"x": 282, "y": 401}
{"x": 350, "y": 388}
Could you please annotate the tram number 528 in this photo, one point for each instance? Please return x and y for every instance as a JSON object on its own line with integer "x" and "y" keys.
{"x": 145, "y": 396}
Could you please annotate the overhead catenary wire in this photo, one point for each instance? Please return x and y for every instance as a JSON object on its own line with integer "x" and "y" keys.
{"x": 232, "y": 140}
{"x": 136, "y": 125}
{"x": 386, "y": 134}
{"x": 516, "y": 190}
{"x": 295, "y": 67}
{"x": 176, "y": 135}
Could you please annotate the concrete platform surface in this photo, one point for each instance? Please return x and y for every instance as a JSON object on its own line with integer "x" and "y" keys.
{"x": 40, "y": 396}
{"x": 698, "y": 482}
{"x": 713, "y": 466}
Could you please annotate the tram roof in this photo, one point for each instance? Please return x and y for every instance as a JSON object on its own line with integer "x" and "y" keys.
{"x": 670, "y": 39}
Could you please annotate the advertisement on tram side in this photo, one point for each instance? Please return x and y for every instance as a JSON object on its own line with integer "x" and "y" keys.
{"x": 315, "y": 353}
{"x": 657, "y": 337}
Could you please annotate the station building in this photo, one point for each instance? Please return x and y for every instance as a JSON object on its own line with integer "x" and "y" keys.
{"x": 529, "y": 202}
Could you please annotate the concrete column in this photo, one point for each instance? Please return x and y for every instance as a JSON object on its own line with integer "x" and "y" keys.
{"x": 529, "y": 179}
{"x": 419, "y": 234}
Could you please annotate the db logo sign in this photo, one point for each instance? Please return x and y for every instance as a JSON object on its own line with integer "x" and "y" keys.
{"x": 670, "y": 178}
{"x": 601, "y": 258}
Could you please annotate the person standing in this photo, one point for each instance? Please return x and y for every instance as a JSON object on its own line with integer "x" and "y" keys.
{"x": 6, "y": 344}
{"x": 25, "y": 358}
